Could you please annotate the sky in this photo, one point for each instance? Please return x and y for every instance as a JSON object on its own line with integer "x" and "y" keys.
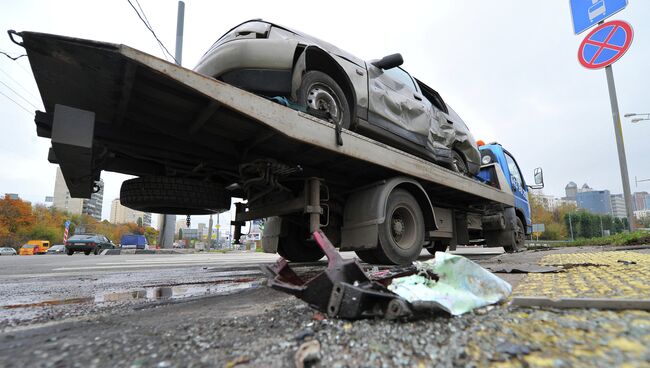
{"x": 509, "y": 68}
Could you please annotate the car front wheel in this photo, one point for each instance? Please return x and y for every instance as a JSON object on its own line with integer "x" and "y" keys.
{"x": 318, "y": 91}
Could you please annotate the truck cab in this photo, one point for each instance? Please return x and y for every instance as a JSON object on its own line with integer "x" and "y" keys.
{"x": 495, "y": 153}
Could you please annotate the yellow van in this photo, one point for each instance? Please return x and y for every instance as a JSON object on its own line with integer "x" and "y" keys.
{"x": 35, "y": 247}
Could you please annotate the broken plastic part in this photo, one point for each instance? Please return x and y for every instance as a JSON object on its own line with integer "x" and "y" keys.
{"x": 342, "y": 290}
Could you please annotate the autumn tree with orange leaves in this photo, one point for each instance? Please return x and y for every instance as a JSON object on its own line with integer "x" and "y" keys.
{"x": 20, "y": 222}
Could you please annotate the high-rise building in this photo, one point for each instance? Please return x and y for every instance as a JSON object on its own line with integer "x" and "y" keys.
{"x": 595, "y": 201}
{"x": 90, "y": 206}
{"x": 122, "y": 215}
{"x": 639, "y": 200}
{"x": 618, "y": 206}
{"x": 13, "y": 196}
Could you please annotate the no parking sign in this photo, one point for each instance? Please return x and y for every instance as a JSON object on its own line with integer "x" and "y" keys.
{"x": 605, "y": 44}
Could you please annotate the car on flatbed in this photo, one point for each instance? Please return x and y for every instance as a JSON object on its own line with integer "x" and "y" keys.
{"x": 273, "y": 60}
{"x": 87, "y": 243}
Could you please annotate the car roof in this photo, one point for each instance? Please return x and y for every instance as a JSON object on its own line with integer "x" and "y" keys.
{"x": 323, "y": 44}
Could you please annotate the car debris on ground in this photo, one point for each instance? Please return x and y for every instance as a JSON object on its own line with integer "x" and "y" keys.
{"x": 451, "y": 283}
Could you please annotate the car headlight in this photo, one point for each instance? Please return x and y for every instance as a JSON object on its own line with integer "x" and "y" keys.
{"x": 486, "y": 159}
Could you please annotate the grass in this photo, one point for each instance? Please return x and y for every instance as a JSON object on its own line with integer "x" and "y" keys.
{"x": 635, "y": 238}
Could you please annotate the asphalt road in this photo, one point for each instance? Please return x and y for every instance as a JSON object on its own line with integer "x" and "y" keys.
{"x": 212, "y": 309}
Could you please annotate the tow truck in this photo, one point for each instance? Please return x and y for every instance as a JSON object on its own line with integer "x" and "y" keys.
{"x": 195, "y": 142}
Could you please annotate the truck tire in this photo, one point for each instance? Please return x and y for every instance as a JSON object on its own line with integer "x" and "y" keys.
{"x": 401, "y": 235}
{"x": 160, "y": 194}
{"x": 519, "y": 238}
{"x": 438, "y": 246}
{"x": 319, "y": 91}
{"x": 295, "y": 247}
{"x": 368, "y": 256}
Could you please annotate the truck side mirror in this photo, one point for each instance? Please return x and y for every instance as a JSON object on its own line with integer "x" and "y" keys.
{"x": 538, "y": 176}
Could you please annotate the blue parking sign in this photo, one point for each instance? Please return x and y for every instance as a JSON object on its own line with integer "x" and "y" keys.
{"x": 586, "y": 13}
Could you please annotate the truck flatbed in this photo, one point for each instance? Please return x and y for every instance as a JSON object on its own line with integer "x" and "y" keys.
{"x": 153, "y": 117}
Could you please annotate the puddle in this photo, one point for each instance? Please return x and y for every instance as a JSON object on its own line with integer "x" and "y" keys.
{"x": 153, "y": 293}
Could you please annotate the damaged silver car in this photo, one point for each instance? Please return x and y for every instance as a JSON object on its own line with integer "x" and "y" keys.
{"x": 377, "y": 98}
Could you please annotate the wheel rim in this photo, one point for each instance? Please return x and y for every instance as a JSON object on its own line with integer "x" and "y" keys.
{"x": 402, "y": 227}
{"x": 321, "y": 97}
{"x": 459, "y": 164}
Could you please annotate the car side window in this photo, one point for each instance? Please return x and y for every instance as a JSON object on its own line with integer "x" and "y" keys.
{"x": 401, "y": 76}
{"x": 514, "y": 169}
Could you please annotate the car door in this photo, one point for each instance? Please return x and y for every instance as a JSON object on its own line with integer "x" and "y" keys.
{"x": 396, "y": 104}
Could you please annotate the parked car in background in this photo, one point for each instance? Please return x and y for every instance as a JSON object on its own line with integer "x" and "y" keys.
{"x": 35, "y": 247}
{"x": 377, "y": 98}
{"x": 134, "y": 241}
{"x": 87, "y": 243}
{"x": 56, "y": 249}
{"x": 7, "y": 251}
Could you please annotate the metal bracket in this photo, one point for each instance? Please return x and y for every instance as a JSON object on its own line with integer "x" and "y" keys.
{"x": 342, "y": 290}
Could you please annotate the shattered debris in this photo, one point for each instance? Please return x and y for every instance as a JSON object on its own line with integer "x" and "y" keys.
{"x": 462, "y": 285}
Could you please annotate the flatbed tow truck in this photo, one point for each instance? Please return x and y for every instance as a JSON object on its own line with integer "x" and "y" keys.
{"x": 195, "y": 142}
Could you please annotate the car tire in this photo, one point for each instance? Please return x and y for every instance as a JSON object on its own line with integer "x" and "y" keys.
{"x": 319, "y": 91}
{"x": 166, "y": 195}
{"x": 401, "y": 235}
{"x": 87, "y": 252}
{"x": 69, "y": 252}
{"x": 97, "y": 251}
{"x": 458, "y": 163}
{"x": 295, "y": 247}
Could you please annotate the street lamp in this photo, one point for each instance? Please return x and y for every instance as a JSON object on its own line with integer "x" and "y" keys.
{"x": 642, "y": 116}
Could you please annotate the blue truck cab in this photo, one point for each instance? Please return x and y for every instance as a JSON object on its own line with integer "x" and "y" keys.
{"x": 494, "y": 153}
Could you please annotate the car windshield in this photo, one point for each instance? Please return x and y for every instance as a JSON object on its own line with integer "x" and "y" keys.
{"x": 82, "y": 237}
{"x": 29, "y": 246}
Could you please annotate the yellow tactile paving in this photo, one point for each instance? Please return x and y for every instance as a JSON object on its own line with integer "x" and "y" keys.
{"x": 604, "y": 277}
{"x": 569, "y": 339}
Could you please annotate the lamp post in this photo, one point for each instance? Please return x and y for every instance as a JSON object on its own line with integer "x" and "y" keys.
{"x": 642, "y": 116}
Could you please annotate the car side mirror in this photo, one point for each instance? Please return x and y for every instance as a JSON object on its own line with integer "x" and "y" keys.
{"x": 389, "y": 62}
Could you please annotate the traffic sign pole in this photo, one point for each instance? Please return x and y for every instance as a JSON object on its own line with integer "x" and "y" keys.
{"x": 622, "y": 160}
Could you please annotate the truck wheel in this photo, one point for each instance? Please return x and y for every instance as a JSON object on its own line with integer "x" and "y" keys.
{"x": 438, "y": 246}
{"x": 519, "y": 235}
{"x": 320, "y": 92}
{"x": 295, "y": 247}
{"x": 401, "y": 235}
{"x": 161, "y": 194}
{"x": 367, "y": 256}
